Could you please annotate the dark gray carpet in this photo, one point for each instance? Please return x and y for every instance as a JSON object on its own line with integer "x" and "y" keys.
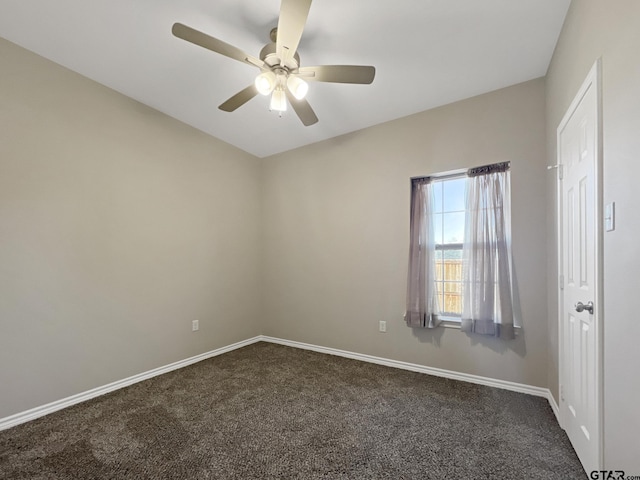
{"x": 267, "y": 411}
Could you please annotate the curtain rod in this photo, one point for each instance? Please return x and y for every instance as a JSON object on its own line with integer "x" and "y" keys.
{"x": 500, "y": 166}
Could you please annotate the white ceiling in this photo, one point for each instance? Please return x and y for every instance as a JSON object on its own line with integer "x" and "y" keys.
{"x": 426, "y": 53}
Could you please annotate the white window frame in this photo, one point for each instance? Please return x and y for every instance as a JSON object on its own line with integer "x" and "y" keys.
{"x": 452, "y": 321}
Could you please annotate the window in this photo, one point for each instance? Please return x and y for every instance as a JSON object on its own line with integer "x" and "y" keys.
{"x": 448, "y": 223}
{"x": 460, "y": 265}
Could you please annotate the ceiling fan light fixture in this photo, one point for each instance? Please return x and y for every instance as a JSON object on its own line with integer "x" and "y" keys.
{"x": 278, "y": 100}
{"x": 297, "y": 86}
{"x": 265, "y": 82}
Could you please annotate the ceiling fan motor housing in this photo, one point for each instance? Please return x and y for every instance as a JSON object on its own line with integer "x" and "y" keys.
{"x": 269, "y": 56}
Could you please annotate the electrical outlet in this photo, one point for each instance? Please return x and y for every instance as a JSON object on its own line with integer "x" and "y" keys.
{"x": 195, "y": 325}
{"x": 382, "y": 326}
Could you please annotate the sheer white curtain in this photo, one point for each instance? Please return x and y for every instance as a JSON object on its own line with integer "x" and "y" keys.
{"x": 422, "y": 301}
{"x": 487, "y": 265}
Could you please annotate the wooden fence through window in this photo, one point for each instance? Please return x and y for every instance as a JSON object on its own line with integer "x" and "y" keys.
{"x": 449, "y": 285}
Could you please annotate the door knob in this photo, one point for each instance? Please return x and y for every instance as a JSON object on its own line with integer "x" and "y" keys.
{"x": 581, "y": 307}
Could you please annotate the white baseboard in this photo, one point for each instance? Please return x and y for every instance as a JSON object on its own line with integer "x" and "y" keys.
{"x": 438, "y": 372}
{"x": 554, "y": 407}
{"x": 43, "y": 410}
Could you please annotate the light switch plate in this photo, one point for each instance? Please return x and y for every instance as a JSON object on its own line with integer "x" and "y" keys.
{"x": 610, "y": 217}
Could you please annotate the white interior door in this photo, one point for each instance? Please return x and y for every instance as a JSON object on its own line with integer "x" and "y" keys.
{"x": 580, "y": 351}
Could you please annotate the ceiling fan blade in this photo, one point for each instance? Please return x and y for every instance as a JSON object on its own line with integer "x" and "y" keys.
{"x": 206, "y": 41}
{"x": 302, "y": 109}
{"x": 293, "y": 17}
{"x": 339, "y": 73}
{"x": 239, "y": 99}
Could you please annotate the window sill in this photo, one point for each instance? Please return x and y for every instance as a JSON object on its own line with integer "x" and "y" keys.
{"x": 449, "y": 323}
{"x": 454, "y": 323}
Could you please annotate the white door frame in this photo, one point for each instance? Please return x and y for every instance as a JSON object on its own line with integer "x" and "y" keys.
{"x": 593, "y": 80}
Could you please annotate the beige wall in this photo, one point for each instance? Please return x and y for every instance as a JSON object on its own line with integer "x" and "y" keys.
{"x": 336, "y": 233}
{"x": 610, "y": 30}
{"x": 118, "y": 226}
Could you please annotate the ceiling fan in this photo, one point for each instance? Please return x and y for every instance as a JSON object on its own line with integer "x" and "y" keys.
{"x": 281, "y": 75}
